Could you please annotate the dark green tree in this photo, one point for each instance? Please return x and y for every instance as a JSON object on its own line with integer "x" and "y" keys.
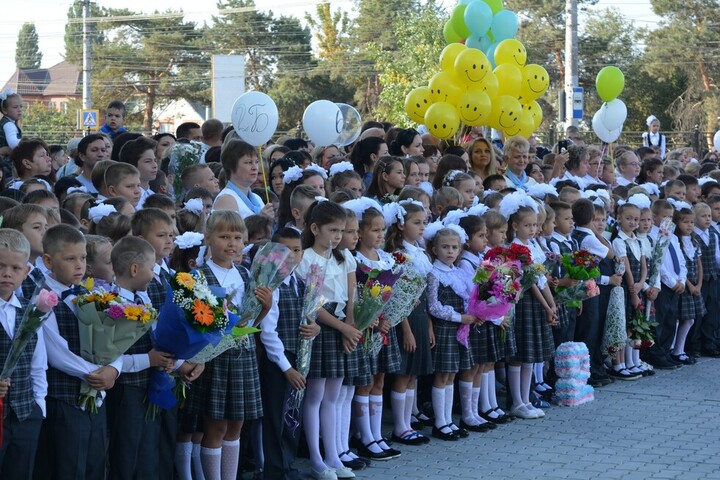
{"x": 27, "y": 49}
{"x": 74, "y": 30}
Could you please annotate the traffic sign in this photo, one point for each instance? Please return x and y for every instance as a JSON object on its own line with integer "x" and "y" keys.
{"x": 578, "y": 103}
{"x": 90, "y": 119}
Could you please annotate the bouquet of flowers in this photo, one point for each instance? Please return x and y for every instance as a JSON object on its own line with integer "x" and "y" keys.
{"x": 183, "y": 155}
{"x": 108, "y": 326}
{"x": 312, "y": 304}
{"x": 653, "y": 267}
{"x": 579, "y": 265}
{"x": 641, "y": 329}
{"x": 37, "y": 311}
{"x": 406, "y": 291}
{"x": 374, "y": 291}
{"x": 192, "y": 317}
{"x": 615, "y": 331}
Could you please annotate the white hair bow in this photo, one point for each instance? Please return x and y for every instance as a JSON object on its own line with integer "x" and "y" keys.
{"x": 394, "y": 213}
{"x": 640, "y": 200}
{"x": 80, "y": 189}
{"x": 341, "y": 167}
{"x": 100, "y": 211}
{"x": 195, "y": 206}
{"x": 679, "y": 204}
{"x": 189, "y": 240}
{"x": 319, "y": 169}
{"x": 512, "y": 202}
{"x": 359, "y": 205}
{"x": 6, "y": 93}
{"x": 292, "y": 174}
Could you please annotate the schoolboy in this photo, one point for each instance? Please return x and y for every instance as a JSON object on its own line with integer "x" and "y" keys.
{"x": 134, "y": 437}
{"x": 714, "y": 202}
{"x": 200, "y": 176}
{"x": 590, "y": 322}
{"x": 114, "y": 119}
{"x": 494, "y": 182}
{"x": 281, "y": 334}
{"x": 31, "y": 221}
{"x": 445, "y": 197}
{"x": 673, "y": 274}
{"x": 72, "y": 440}
{"x": 24, "y": 392}
{"x": 675, "y": 189}
{"x": 140, "y": 153}
{"x": 561, "y": 242}
{"x": 123, "y": 180}
{"x": 161, "y": 202}
{"x": 692, "y": 188}
{"x": 97, "y": 176}
{"x": 705, "y": 334}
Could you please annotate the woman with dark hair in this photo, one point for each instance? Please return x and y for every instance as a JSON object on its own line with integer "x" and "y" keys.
{"x": 301, "y": 158}
{"x": 165, "y": 143}
{"x": 365, "y": 155}
{"x": 91, "y": 150}
{"x": 447, "y": 163}
{"x": 277, "y": 170}
{"x": 406, "y": 143}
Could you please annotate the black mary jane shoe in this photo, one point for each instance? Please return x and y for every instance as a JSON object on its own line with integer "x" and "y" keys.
{"x": 460, "y": 432}
{"x": 364, "y": 451}
{"x": 410, "y": 437}
{"x": 438, "y": 433}
{"x": 479, "y": 428}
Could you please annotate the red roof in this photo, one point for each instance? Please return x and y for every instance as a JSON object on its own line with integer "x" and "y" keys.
{"x": 61, "y": 80}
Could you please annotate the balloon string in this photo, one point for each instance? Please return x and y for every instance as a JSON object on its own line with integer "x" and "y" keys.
{"x": 262, "y": 168}
{"x": 612, "y": 160}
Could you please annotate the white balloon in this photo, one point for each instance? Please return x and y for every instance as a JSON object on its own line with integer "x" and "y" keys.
{"x": 254, "y": 117}
{"x": 323, "y": 122}
{"x": 602, "y": 132}
{"x": 716, "y": 140}
{"x": 614, "y": 114}
{"x": 352, "y": 123}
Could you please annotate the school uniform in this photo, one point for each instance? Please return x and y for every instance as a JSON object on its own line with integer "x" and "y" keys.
{"x": 448, "y": 297}
{"x": 35, "y": 278}
{"x": 281, "y": 338}
{"x": 705, "y": 333}
{"x": 626, "y": 246}
{"x": 25, "y": 400}
{"x": 229, "y": 388}
{"x": 691, "y": 307}
{"x": 73, "y": 441}
{"x": 567, "y": 316}
{"x": 328, "y": 357}
{"x": 420, "y": 361}
{"x": 134, "y": 435}
{"x": 533, "y": 334}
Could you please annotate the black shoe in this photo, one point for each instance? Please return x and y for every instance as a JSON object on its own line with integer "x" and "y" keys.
{"x": 411, "y": 438}
{"x": 499, "y": 420}
{"x": 460, "y": 432}
{"x": 354, "y": 464}
{"x": 364, "y": 451}
{"x": 425, "y": 420}
{"x": 392, "y": 452}
{"x": 480, "y": 428}
{"x": 624, "y": 374}
{"x": 437, "y": 433}
{"x": 416, "y": 424}
{"x": 595, "y": 382}
{"x": 663, "y": 363}
{"x": 683, "y": 358}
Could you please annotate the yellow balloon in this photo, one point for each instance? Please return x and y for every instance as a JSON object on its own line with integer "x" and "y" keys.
{"x": 491, "y": 86}
{"x": 448, "y": 56}
{"x": 509, "y": 79}
{"x": 535, "y": 82}
{"x": 472, "y": 66}
{"x": 524, "y": 127}
{"x": 505, "y": 113}
{"x": 445, "y": 87}
{"x": 417, "y": 103}
{"x": 474, "y": 108}
{"x": 533, "y": 108}
{"x": 510, "y": 51}
{"x": 442, "y": 120}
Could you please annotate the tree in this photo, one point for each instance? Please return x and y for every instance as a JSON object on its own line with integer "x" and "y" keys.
{"x": 331, "y": 32}
{"x": 27, "y": 49}
{"x": 74, "y": 30}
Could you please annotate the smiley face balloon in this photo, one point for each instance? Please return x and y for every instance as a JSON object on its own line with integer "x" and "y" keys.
{"x": 442, "y": 120}
{"x": 444, "y": 87}
{"x": 510, "y": 51}
{"x": 533, "y": 108}
{"x": 474, "y": 108}
{"x": 417, "y": 103}
{"x": 524, "y": 127}
{"x": 534, "y": 83}
{"x": 471, "y": 67}
{"x": 505, "y": 113}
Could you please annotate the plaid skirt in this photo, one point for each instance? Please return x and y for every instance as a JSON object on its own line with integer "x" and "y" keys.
{"x": 329, "y": 359}
{"x": 365, "y": 375}
{"x": 419, "y": 362}
{"x": 691, "y": 307}
{"x": 486, "y": 345}
{"x": 562, "y": 316}
{"x": 388, "y": 359}
{"x": 449, "y": 356}
{"x": 533, "y": 334}
{"x": 230, "y": 387}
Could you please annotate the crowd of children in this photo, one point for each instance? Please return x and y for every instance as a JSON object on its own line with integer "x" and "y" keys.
{"x": 111, "y": 213}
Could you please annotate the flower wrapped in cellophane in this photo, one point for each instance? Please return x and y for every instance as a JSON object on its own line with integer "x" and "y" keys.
{"x": 312, "y": 304}
{"x": 374, "y": 290}
{"x": 615, "y": 333}
{"x": 659, "y": 251}
{"x": 580, "y": 265}
{"x": 406, "y": 292}
{"x": 194, "y": 316}
{"x": 641, "y": 329}
{"x": 108, "y": 326}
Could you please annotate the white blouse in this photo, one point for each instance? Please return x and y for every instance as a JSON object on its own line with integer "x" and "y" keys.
{"x": 231, "y": 280}
{"x": 447, "y": 276}
{"x": 335, "y": 288}
{"x": 537, "y": 255}
{"x": 385, "y": 260}
{"x": 420, "y": 260}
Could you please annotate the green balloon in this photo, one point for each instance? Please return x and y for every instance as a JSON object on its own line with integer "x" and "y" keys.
{"x": 450, "y": 34}
{"x": 457, "y": 20}
{"x": 609, "y": 83}
{"x": 495, "y": 5}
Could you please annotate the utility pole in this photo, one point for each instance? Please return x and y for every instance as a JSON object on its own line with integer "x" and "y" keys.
{"x": 571, "y": 59}
{"x": 87, "y": 56}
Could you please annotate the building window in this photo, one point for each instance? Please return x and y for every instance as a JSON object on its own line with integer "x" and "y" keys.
{"x": 52, "y": 106}
{"x": 166, "y": 127}
{"x": 64, "y": 107}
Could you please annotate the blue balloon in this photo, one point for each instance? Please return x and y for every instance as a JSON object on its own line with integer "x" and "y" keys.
{"x": 474, "y": 42}
{"x": 466, "y": 2}
{"x": 490, "y": 54}
{"x": 485, "y": 43}
{"x": 504, "y": 25}
{"x": 478, "y": 17}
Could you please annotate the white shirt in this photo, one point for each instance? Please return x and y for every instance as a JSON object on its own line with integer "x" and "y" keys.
{"x": 420, "y": 260}
{"x": 704, "y": 236}
{"x": 590, "y": 180}
{"x": 231, "y": 280}
{"x": 11, "y": 134}
{"x": 447, "y": 276}
{"x": 623, "y": 242}
{"x": 335, "y": 288}
{"x": 596, "y": 247}
{"x": 136, "y": 362}
{"x": 621, "y": 181}
{"x": 567, "y": 241}
{"x": 580, "y": 181}
{"x": 668, "y": 277}
{"x": 537, "y": 255}
{"x": 38, "y": 363}
{"x": 242, "y": 209}
{"x": 87, "y": 184}
{"x": 269, "y": 337}
{"x": 469, "y": 263}
{"x": 144, "y": 194}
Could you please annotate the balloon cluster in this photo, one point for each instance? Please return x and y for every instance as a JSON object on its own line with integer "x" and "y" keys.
{"x": 327, "y": 123}
{"x": 607, "y": 123}
{"x": 483, "y": 78}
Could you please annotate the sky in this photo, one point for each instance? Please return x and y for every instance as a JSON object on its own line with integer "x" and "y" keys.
{"x": 50, "y": 17}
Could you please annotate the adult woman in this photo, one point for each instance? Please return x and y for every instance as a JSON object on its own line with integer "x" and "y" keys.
{"x": 91, "y": 150}
{"x": 274, "y": 152}
{"x": 447, "y": 163}
{"x": 365, "y": 155}
{"x": 534, "y": 171}
{"x": 240, "y": 164}
{"x": 577, "y": 166}
{"x": 628, "y": 168}
{"x": 482, "y": 158}
{"x": 407, "y": 143}
{"x": 516, "y": 152}
{"x": 165, "y": 143}
{"x": 30, "y": 159}
{"x": 327, "y": 156}
{"x": 594, "y": 167}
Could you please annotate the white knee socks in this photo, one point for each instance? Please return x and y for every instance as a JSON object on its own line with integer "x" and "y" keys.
{"x": 449, "y": 397}
{"x": 397, "y": 401}
{"x": 466, "y": 400}
{"x": 438, "y": 400}
{"x": 362, "y": 422}
{"x": 409, "y": 402}
{"x": 196, "y": 463}
{"x": 211, "y": 459}
{"x": 526, "y": 371}
{"x": 681, "y": 336}
{"x": 230, "y": 459}
{"x": 514, "y": 384}
{"x": 183, "y": 453}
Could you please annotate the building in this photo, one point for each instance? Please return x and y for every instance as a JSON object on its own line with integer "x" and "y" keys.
{"x": 55, "y": 87}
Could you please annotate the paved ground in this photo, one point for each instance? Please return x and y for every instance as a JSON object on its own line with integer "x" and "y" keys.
{"x": 666, "y": 426}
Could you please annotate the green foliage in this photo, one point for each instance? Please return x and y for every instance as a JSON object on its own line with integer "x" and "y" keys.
{"x": 74, "y": 30}
{"x": 49, "y": 124}
{"x": 27, "y": 49}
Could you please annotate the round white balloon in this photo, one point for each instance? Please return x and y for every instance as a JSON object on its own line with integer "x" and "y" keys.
{"x": 352, "y": 123}
{"x": 323, "y": 122}
{"x": 716, "y": 141}
{"x": 602, "y": 132}
{"x": 254, "y": 117}
{"x": 614, "y": 114}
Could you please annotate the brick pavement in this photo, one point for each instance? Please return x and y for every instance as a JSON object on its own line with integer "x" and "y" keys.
{"x": 665, "y": 427}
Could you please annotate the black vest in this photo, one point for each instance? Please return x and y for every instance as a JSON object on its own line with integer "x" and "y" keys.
{"x": 20, "y": 397}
